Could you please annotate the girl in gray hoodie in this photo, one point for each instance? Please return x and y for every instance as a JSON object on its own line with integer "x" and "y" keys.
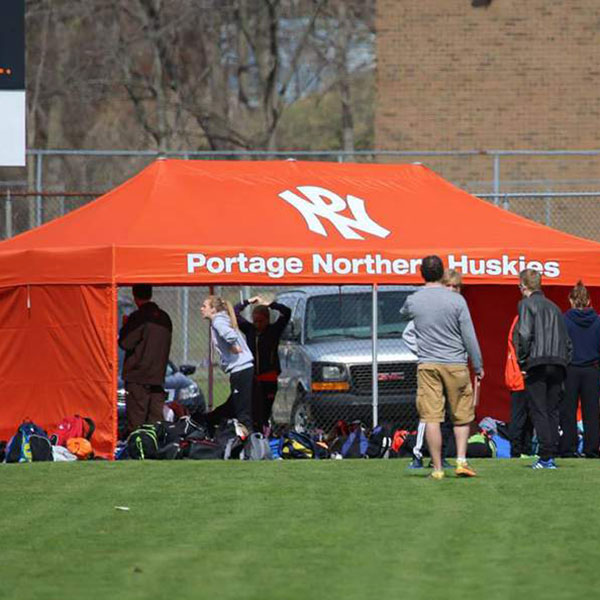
{"x": 235, "y": 359}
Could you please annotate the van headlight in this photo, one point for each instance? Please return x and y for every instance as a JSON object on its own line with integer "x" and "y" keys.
{"x": 329, "y": 378}
{"x": 333, "y": 373}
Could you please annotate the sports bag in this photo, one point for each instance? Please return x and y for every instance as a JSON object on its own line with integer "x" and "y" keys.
{"x": 231, "y": 437}
{"x": 275, "y": 445}
{"x": 380, "y": 442}
{"x": 202, "y": 450}
{"x": 480, "y": 445}
{"x": 29, "y": 444}
{"x": 356, "y": 444}
{"x": 403, "y": 443}
{"x": 61, "y": 454}
{"x": 80, "y": 447}
{"x": 72, "y": 427}
{"x": 142, "y": 444}
{"x": 171, "y": 451}
{"x": 256, "y": 447}
{"x": 181, "y": 429}
{"x": 297, "y": 445}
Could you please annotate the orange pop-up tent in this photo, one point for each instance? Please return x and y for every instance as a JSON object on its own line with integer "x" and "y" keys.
{"x": 270, "y": 223}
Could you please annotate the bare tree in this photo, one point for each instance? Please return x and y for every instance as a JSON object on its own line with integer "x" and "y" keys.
{"x": 190, "y": 74}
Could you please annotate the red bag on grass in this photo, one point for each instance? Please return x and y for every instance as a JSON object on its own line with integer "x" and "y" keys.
{"x": 72, "y": 427}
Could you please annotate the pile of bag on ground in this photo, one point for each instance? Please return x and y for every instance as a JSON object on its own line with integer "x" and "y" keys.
{"x": 188, "y": 439}
{"x": 69, "y": 441}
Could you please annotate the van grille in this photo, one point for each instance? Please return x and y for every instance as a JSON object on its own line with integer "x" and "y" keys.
{"x": 393, "y": 378}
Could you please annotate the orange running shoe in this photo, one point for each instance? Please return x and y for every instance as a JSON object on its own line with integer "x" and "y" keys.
{"x": 463, "y": 469}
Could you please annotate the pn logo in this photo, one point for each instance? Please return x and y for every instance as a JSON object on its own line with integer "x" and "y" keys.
{"x": 317, "y": 203}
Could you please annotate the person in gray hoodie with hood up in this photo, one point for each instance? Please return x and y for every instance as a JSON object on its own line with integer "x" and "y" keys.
{"x": 236, "y": 360}
{"x": 583, "y": 377}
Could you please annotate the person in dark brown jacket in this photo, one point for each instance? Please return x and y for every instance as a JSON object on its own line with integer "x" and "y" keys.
{"x": 146, "y": 338}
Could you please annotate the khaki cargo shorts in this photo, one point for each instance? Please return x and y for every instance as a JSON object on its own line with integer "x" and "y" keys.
{"x": 441, "y": 382}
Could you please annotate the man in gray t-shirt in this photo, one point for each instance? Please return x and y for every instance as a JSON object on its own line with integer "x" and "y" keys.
{"x": 446, "y": 339}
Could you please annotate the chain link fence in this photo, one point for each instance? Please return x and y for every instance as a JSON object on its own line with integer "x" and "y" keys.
{"x": 573, "y": 212}
{"x": 325, "y": 351}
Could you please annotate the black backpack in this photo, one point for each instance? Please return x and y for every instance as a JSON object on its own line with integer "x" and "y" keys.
{"x": 29, "y": 444}
{"x": 142, "y": 444}
{"x": 380, "y": 442}
{"x": 229, "y": 438}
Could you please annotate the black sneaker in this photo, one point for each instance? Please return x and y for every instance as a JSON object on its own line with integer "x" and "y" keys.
{"x": 416, "y": 463}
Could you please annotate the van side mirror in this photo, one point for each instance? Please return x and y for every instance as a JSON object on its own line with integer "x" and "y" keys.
{"x": 187, "y": 369}
{"x": 295, "y": 330}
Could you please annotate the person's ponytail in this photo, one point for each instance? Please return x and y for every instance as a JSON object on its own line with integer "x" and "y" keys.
{"x": 222, "y": 305}
{"x": 579, "y": 296}
{"x": 232, "y": 315}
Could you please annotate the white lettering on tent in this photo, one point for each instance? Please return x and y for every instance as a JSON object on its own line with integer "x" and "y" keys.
{"x": 195, "y": 261}
{"x": 505, "y": 265}
{"x": 314, "y": 205}
{"x": 273, "y": 266}
{"x": 328, "y": 263}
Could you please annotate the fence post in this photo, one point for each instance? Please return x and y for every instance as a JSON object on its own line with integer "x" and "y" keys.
{"x": 497, "y": 179}
{"x": 185, "y": 317}
{"x": 548, "y": 211}
{"x": 38, "y": 189}
{"x": 8, "y": 215}
{"x": 375, "y": 382}
{"x": 210, "y": 361}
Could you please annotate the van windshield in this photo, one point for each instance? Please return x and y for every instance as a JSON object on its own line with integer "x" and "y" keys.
{"x": 349, "y": 315}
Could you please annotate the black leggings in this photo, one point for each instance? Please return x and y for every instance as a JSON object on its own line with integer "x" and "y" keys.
{"x": 263, "y": 396}
{"x": 581, "y": 383}
{"x": 239, "y": 404}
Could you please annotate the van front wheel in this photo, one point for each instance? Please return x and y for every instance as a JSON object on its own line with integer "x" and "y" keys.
{"x": 301, "y": 417}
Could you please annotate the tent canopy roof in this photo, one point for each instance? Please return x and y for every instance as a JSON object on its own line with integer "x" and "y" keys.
{"x": 179, "y": 221}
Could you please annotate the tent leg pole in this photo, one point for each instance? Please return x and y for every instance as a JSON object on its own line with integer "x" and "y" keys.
{"x": 210, "y": 363}
{"x": 185, "y": 314}
{"x": 375, "y": 382}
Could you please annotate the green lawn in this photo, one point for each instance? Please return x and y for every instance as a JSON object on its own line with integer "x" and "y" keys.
{"x": 295, "y": 529}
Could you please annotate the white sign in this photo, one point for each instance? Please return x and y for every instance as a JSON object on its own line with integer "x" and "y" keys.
{"x": 12, "y": 128}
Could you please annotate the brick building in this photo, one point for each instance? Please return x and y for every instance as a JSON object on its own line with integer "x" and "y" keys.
{"x": 517, "y": 74}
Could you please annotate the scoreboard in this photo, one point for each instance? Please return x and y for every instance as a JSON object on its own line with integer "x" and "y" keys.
{"x": 12, "y": 83}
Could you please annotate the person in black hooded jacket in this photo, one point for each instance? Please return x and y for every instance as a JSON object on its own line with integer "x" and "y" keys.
{"x": 263, "y": 340}
{"x": 583, "y": 377}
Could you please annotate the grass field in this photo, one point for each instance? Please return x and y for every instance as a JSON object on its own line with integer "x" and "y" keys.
{"x": 295, "y": 529}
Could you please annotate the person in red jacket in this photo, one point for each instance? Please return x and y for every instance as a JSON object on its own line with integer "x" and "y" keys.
{"x": 521, "y": 425}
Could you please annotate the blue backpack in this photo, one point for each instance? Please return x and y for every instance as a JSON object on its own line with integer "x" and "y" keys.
{"x": 356, "y": 444}
{"x": 30, "y": 443}
{"x": 296, "y": 445}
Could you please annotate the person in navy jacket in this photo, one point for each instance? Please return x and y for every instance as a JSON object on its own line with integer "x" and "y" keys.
{"x": 583, "y": 377}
